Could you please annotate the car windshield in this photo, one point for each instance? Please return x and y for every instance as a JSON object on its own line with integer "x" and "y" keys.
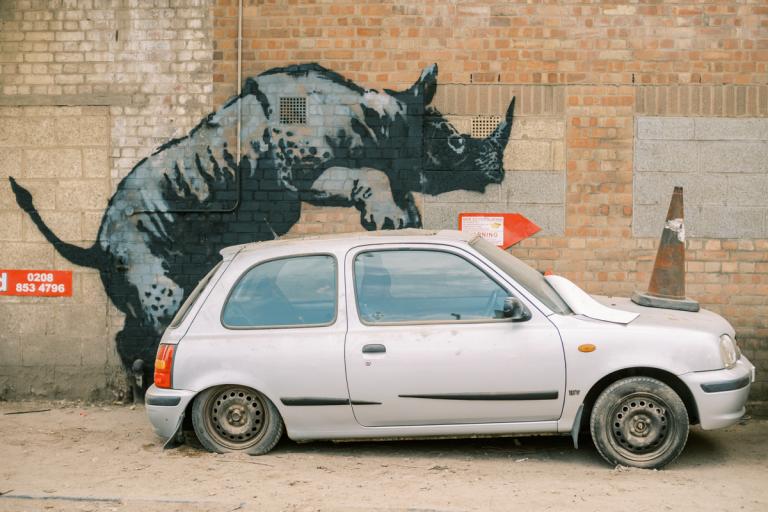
{"x": 527, "y": 277}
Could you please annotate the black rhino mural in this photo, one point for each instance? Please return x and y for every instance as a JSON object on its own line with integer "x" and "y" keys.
{"x": 307, "y": 134}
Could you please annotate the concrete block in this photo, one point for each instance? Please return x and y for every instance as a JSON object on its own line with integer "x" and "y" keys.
{"x": 82, "y": 195}
{"x": 528, "y": 155}
{"x": 54, "y": 163}
{"x": 38, "y": 319}
{"x": 534, "y": 187}
{"x": 93, "y": 350}
{"x": 666, "y": 156}
{"x": 96, "y": 162}
{"x": 92, "y": 289}
{"x": 10, "y": 226}
{"x": 538, "y": 128}
{"x": 446, "y": 215}
{"x": 734, "y": 157}
{"x": 66, "y": 225}
{"x": 43, "y": 192}
{"x": 550, "y": 218}
{"x": 558, "y": 155}
{"x": 91, "y": 224}
{"x": 50, "y": 350}
{"x": 24, "y": 255}
{"x": 24, "y": 132}
{"x": 492, "y": 193}
{"x": 10, "y": 348}
{"x": 84, "y": 382}
{"x": 655, "y": 188}
{"x": 730, "y": 222}
{"x": 10, "y": 163}
{"x": 648, "y": 220}
{"x": 718, "y": 128}
{"x": 22, "y": 381}
{"x": 82, "y": 131}
{"x": 81, "y": 321}
{"x": 748, "y": 190}
{"x": 665, "y": 128}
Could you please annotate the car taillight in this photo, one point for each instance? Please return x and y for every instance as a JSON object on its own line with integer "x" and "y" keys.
{"x": 164, "y": 365}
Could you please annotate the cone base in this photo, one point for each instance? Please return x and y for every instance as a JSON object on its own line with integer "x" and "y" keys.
{"x": 643, "y": 299}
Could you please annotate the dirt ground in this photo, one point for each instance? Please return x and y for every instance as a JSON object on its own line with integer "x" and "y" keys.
{"x": 106, "y": 458}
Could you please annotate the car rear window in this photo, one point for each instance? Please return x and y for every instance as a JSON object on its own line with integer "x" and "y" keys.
{"x": 298, "y": 291}
{"x": 184, "y": 309}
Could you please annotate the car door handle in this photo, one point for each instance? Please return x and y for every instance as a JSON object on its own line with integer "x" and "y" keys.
{"x": 374, "y": 348}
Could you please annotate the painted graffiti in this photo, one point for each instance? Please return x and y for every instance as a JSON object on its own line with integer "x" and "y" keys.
{"x": 306, "y": 134}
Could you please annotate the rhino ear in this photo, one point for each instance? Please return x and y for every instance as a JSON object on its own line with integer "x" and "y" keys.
{"x": 250, "y": 86}
{"x": 424, "y": 89}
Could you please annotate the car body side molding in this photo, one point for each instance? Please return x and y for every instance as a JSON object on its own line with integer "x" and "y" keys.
{"x": 316, "y": 401}
{"x": 541, "y": 395}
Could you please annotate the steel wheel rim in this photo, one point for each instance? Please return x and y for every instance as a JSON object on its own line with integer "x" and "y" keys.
{"x": 236, "y": 417}
{"x": 640, "y": 427}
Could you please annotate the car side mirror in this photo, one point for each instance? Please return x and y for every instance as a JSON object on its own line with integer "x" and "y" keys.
{"x": 515, "y": 310}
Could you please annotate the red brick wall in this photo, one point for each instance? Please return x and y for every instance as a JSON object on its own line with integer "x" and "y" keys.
{"x": 616, "y": 60}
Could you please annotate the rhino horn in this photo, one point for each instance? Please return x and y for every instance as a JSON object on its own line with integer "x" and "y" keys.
{"x": 491, "y": 152}
{"x": 500, "y": 136}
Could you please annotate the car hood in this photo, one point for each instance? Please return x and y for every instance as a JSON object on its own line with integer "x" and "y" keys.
{"x": 703, "y": 320}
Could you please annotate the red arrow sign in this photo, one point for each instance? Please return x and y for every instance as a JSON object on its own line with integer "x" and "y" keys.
{"x": 502, "y": 229}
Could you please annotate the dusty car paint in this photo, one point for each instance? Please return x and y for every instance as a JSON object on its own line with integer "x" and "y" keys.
{"x": 304, "y": 370}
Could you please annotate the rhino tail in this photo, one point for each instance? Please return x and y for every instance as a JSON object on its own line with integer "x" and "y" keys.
{"x": 92, "y": 257}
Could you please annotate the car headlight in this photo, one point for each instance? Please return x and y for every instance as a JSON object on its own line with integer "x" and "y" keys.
{"x": 729, "y": 351}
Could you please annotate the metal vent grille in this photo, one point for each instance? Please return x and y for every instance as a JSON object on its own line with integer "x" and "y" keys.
{"x": 293, "y": 110}
{"x": 483, "y": 125}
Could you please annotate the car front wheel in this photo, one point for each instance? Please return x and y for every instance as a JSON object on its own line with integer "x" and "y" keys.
{"x": 639, "y": 422}
{"x": 236, "y": 419}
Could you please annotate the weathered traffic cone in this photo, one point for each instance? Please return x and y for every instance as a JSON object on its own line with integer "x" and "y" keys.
{"x": 667, "y": 286}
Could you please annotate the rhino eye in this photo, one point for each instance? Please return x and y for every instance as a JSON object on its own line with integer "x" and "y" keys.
{"x": 456, "y": 143}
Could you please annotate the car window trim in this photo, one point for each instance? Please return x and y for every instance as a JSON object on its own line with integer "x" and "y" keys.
{"x": 283, "y": 326}
{"x": 383, "y": 247}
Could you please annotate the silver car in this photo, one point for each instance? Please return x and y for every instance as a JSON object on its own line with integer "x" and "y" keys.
{"x": 416, "y": 334}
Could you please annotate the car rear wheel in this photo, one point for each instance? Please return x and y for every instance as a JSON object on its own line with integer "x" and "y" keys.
{"x": 236, "y": 419}
{"x": 639, "y": 422}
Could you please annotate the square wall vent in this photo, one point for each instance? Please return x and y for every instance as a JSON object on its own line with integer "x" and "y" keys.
{"x": 483, "y": 125}
{"x": 293, "y": 110}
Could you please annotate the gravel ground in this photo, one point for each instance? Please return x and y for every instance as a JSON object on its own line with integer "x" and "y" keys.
{"x": 77, "y": 457}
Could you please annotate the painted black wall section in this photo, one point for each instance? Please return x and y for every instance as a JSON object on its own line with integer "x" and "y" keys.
{"x": 168, "y": 219}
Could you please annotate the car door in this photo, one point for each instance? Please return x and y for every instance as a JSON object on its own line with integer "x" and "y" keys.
{"x": 426, "y": 344}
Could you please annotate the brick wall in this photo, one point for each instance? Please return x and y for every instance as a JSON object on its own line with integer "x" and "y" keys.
{"x": 587, "y": 77}
{"x": 594, "y": 67}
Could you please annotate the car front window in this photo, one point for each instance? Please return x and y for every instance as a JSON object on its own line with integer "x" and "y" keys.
{"x": 409, "y": 285}
{"x": 523, "y": 274}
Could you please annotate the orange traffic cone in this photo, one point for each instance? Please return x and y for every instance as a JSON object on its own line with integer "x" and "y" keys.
{"x": 667, "y": 286}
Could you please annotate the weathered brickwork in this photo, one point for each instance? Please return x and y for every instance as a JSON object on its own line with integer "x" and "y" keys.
{"x": 606, "y": 93}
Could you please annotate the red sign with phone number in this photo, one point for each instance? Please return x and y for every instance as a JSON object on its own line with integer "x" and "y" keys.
{"x": 39, "y": 283}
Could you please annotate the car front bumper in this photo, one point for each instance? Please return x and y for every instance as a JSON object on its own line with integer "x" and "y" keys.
{"x": 721, "y": 394}
{"x": 165, "y": 408}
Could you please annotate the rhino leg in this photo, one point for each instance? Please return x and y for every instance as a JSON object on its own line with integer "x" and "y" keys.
{"x": 367, "y": 189}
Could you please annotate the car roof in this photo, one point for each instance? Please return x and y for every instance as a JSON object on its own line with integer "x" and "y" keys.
{"x": 350, "y": 239}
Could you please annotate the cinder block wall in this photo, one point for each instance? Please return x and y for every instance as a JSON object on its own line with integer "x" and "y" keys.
{"x": 87, "y": 89}
{"x": 617, "y": 102}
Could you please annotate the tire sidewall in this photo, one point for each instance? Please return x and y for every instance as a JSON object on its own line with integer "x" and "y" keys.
{"x": 273, "y": 429}
{"x": 601, "y": 429}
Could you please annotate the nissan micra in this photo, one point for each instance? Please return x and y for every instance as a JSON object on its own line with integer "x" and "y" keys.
{"x": 414, "y": 333}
